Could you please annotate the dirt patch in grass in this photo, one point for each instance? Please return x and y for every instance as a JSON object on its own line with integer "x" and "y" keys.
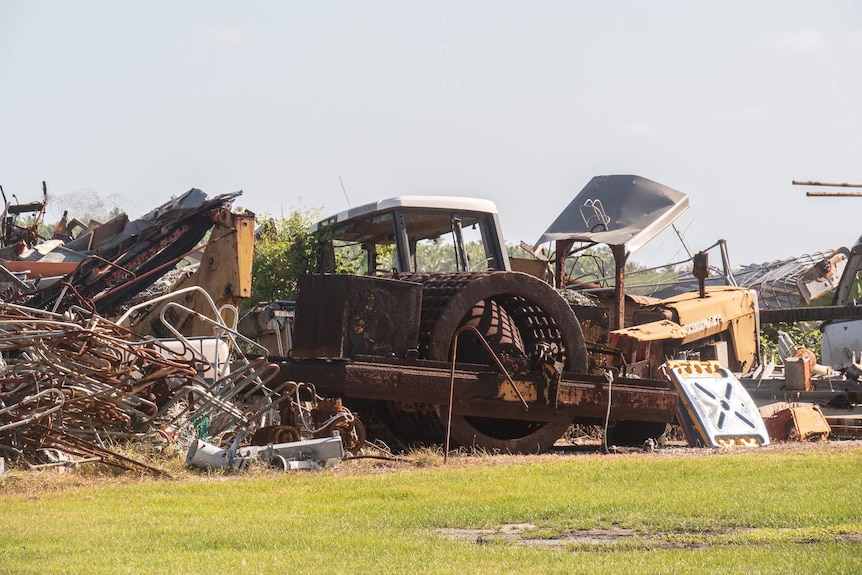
{"x": 617, "y": 538}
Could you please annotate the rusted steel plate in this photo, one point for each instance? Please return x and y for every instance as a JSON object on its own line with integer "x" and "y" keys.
{"x": 339, "y": 316}
{"x": 391, "y": 382}
{"x": 629, "y": 400}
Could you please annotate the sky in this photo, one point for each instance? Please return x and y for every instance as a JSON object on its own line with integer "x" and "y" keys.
{"x": 323, "y": 105}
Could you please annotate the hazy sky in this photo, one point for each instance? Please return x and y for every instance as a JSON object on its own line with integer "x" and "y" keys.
{"x": 518, "y": 102}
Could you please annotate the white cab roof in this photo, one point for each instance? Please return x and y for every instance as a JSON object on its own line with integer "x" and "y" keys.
{"x": 452, "y": 203}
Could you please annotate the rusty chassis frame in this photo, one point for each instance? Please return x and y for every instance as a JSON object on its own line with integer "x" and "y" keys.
{"x": 482, "y": 393}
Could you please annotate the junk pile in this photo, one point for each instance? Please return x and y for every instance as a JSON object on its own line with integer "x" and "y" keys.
{"x": 797, "y": 281}
{"x": 106, "y": 264}
{"x": 77, "y": 381}
{"x": 72, "y": 385}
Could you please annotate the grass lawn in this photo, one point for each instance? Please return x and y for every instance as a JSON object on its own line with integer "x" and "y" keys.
{"x": 771, "y": 510}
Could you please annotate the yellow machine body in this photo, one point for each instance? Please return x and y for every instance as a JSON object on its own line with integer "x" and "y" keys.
{"x": 721, "y": 325}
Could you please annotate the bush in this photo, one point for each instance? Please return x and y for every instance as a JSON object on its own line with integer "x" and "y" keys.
{"x": 283, "y": 251}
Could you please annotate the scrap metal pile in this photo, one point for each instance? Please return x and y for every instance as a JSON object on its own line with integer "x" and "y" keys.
{"x": 75, "y": 385}
{"x": 105, "y": 264}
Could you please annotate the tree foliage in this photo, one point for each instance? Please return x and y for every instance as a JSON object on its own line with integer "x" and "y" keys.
{"x": 284, "y": 250}
{"x": 803, "y": 334}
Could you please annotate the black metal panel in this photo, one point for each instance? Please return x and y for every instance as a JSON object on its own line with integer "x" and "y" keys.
{"x": 340, "y": 316}
{"x": 813, "y": 313}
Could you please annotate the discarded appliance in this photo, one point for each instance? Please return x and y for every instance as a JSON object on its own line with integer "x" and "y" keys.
{"x": 314, "y": 454}
{"x": 715, "y": 410}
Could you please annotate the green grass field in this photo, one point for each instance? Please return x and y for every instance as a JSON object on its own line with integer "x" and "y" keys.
{"x": 770, "y": 510}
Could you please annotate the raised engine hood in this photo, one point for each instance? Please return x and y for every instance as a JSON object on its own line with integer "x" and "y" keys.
{"x": 621, "y": 210}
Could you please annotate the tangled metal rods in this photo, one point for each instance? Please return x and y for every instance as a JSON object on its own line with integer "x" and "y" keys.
{"x": 76, "y": 384}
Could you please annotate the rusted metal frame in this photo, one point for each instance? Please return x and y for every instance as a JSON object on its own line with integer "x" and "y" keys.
{"x": 620, "y": 257}
{"x": 193, "y": 226}
{"x": 77, "y": 446}
{"x": 629, "y": 400}
{"x": 20, "y": 327}
{"x": 562, "y": 248}
{"x": 16, "y": 311}
{"x": 35, "y": 398}
{"x": 229, "y": 331}
{"x": 197, "y": 406}
{"x": 219, "y": 324}
{"x": 65, "y": 366}
{"x": 254, "y": 379}
{"x": 247, "y": 380}
{"x": 106, "y": 278}
{"x": 112, "y": 339}
{"x": 382, "y": 381}
{"x": 23, "y": 382}
{"x": 21, "y": 286}
{"x": 98, "y": 411}
{"x": 307, "y": 424}
{"x": 269, "y": 401}
{"x": 106, "y": 387}
{"x": 144, "y": 355}
{"x": 476, "y": 390}
{"x": 69, "y": 361}
{"x": 126, "y": 396}
{"x": 205, "y": 400}
{"x": 110, "y": 265}
{"x": 89, "y": 402}
{"x": 21, "y": 338}
{"x": 44, "y": 353}
{"x": 104, "y": 393}
{"x": 452, "y": 378}
{"x": 164, "y": 297}
{"x": 69, "y": 287}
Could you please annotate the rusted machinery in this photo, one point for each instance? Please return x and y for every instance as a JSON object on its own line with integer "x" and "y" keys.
{"x": 720, "y": 323}
{"x": 419, "y": 346}
{"x": 224, "y": 273}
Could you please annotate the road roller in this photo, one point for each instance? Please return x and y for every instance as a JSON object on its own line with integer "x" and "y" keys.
{"x": 417, "y": 321}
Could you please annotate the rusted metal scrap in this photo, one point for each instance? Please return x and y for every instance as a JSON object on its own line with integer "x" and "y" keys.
{"x": 122, "y": 264}
{"x": 12, "y": 229}
{"x": 794, "y": 282}
{"x": 79, "y": 383}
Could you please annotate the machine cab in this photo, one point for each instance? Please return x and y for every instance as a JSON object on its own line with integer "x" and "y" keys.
{"x": 413, "y": 234}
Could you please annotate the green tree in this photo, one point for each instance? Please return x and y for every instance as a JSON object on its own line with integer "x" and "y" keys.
{"x": 804, "y": 334}
{"x": 284, "y": 250}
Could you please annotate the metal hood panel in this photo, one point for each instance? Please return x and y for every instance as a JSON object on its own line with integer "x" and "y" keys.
{"x": 621, "y": 210}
